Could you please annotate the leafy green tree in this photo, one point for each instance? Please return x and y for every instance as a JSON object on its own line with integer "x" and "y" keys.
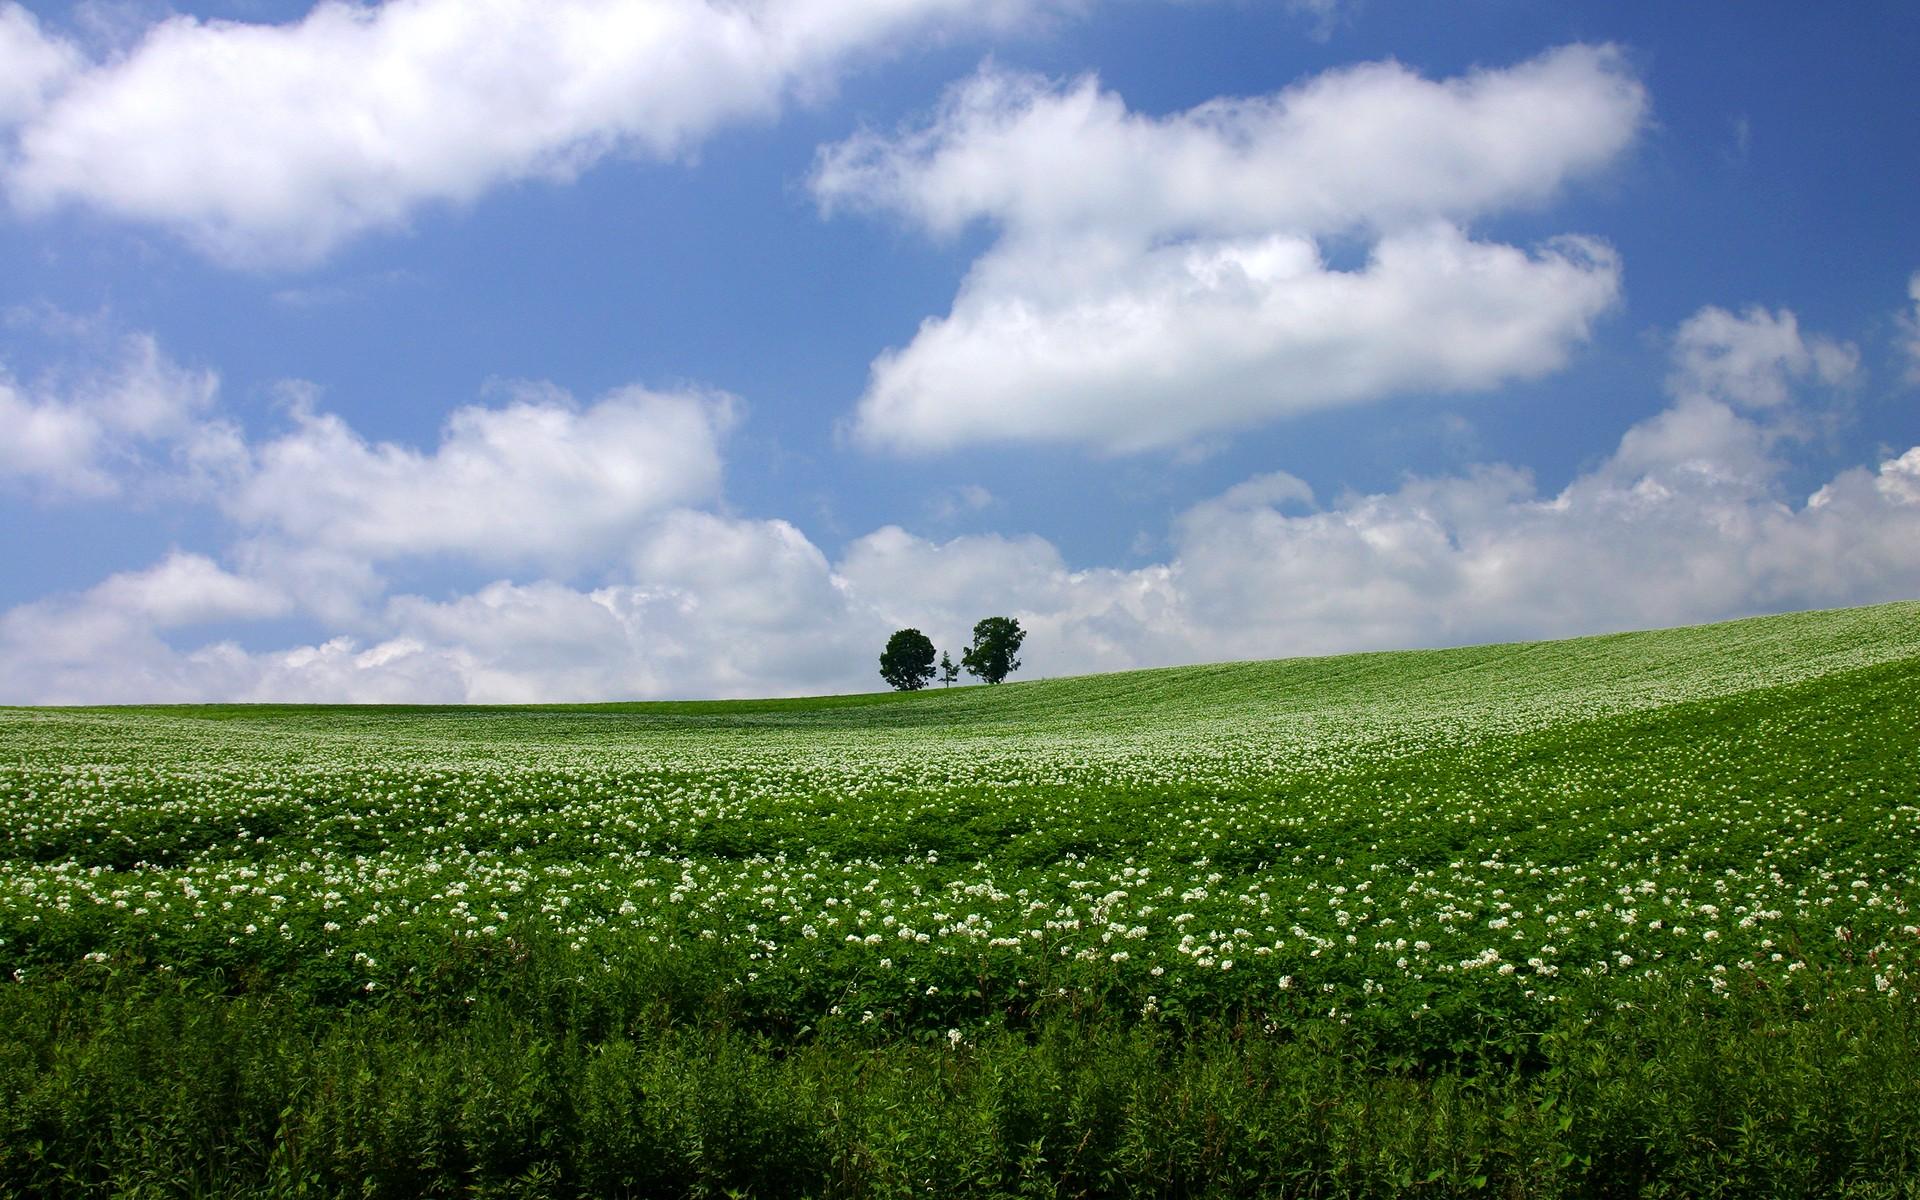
{"x": 949, "y": 670}
{"x": 907, "y": 662}
{"x": 996, "y": 640}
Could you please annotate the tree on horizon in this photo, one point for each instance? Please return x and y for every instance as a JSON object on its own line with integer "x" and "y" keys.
{"x": 996, "y": 640}
{"x": 907, "y": 662}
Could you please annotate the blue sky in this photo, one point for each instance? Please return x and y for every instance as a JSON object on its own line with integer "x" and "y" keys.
{"x": 589, "y": 349}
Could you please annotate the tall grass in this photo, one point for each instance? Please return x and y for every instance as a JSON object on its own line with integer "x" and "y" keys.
{"x": 536, "y": 1088}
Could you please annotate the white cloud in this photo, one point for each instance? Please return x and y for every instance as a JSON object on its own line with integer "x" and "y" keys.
{"x": 32, "y": 64}
{"x": 275, "y": 143}
{"x": 940, "y": 587}
{"x": 1702, "y": 441}
{"x": 48, "y": 439}
{"x": 507, "y": 642}
{"x": 1158, "y": 279}
{"x": 729, "y": 607}
{"x": 537, "y": 479}
{"x": 1638, "y": 543}
{"x": 105, "y": 646}
{"x": 713, "y": 606}
{"x": 1368, "y": 147}
{"x": 88, "y": 433}
{"x": 749, "y": 575}
{"x": 1685, "y": 521}
{"x": 540, "y": 480}
{"x": 1169, "y": 344}
{"x": 1260, "y": 572}
{"x": 1754, "y": 359}
{"x": 189, "y": 589}
{"x": 337, "y": 587}
{"x": 1094, "y": 620}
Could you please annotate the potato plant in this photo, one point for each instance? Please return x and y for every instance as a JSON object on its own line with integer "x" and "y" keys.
{"x": 1445, "y": 859}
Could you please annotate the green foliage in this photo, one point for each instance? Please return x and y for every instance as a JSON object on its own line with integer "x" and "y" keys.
{"x": 133, "y": 1088}
{"x": 996, "y": 642}
{"x": 1619, "y": 915}
{"x": 907, "y": 662}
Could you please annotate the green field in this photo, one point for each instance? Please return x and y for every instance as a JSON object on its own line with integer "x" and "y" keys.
{"x": 1619, "y": 915}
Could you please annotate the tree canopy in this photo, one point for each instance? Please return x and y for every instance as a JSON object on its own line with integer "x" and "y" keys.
{"x": 907, "y": 662}
{"x": 996, "y": 641}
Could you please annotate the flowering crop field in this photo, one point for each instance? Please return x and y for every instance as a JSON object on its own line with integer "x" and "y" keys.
{"x": 1405, "y": 878}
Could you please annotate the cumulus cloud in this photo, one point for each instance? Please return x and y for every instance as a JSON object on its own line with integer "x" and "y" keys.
{"x": 106, "y": 644}
{"x": 189, "y": 589}
{"x": 1161, "y": 278}
{"x": 1754, "y": 359}
{"x": 541, "y": 480}
{"x": 1647, "y": 539}
{"x": 1686, "y": 520}
{"x": 723, "y": 607}
{"x": 88, "y": 433}
{"x": 1374, "y": 146}
{"x": 337, "y": 588}
{"x": 1077, "y": 621}
{"x": 1165, "y": 345}
{"x": 728, "y": 607}
{"x": 1643, "y": 541}
{"x": 32, "y": 64}
{"x": 275, "y": 143}
{"x": 538, "y": 478}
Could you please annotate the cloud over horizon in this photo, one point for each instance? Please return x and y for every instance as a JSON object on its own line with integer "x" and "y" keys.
{"x": 1685, "y": 521}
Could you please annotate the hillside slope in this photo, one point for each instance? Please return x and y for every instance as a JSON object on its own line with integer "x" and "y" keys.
{"x": 1343, "y": 699}
{"x": 1614, "y": 916}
